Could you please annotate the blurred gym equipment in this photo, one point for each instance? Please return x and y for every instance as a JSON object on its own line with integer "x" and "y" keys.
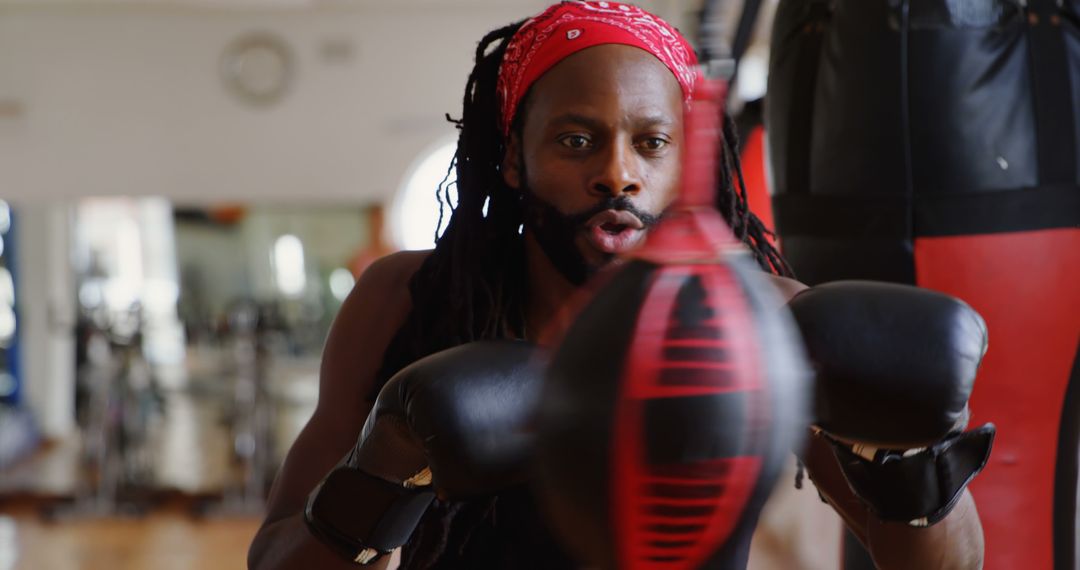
{"x": 249, "y": 417}
{"x": 121, "y": 404}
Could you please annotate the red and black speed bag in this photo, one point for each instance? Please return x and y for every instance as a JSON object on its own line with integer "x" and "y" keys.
{"x": 674, "y": 397}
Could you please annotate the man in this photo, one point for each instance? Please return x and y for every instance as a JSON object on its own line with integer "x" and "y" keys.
{"x": 572, "y": 158}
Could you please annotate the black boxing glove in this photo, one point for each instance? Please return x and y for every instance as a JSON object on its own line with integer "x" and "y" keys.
{"x": 451, "y": 423}
{"x": 895, "y": 367}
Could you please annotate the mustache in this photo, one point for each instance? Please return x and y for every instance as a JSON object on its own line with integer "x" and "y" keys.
{"x": 622, "y": 203}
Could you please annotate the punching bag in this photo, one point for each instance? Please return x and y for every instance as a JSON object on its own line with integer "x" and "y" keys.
{"x": 750, "y": 127}
{"x": 934, "y": 142}
{"x": 676, "y": 394}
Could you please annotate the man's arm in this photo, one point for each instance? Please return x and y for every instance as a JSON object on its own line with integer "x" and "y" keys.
{"x": 954, "y": 542}
{"x": 368, "y": 319}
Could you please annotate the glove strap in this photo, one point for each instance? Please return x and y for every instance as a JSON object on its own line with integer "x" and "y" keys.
{"x": 917, "y": 488}
{"x": 363, "y": 517}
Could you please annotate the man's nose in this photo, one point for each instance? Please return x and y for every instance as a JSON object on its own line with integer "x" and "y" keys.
{"x": 618, "y": 171}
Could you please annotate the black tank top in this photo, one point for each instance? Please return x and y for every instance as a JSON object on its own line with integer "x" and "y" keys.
{"x": 509, "y": 533}
{"x": 506, "y": 532}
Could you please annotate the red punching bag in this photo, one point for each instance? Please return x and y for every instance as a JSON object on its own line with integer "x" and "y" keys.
{"x": 676, "y": 393}
{"x": 937, "y": 144}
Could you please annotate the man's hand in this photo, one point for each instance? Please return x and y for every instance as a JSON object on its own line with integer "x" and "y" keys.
{"x": 895, "y": 367}
{"x": 451, "y": 423}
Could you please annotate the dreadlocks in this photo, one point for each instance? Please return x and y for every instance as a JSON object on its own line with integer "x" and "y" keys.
{"x": 473, "y": 285}
{"x": 734, "y": 207}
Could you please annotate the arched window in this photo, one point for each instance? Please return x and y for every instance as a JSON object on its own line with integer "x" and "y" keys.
{"x": 415, "y": 212}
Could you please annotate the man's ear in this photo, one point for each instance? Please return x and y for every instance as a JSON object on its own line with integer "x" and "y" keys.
{"x": 511, "y": 163}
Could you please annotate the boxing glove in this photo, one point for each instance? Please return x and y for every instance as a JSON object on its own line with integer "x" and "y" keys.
{"x": 895, "y": 366}
{"x": 451, "y": 423}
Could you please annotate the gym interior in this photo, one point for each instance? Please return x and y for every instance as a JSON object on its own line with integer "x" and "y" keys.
{"x": 189, "y": 190}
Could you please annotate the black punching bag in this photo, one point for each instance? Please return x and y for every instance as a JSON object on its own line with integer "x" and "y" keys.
{"x": 934, "y": 142}
{"x": 676, "y": 394}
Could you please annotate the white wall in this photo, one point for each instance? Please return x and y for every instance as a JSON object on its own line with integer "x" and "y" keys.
{"x": 127, "y": 99}
{"x": 46, "y": 303}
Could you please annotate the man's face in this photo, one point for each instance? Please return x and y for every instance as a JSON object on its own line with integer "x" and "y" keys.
{"x": 598, "y": 155}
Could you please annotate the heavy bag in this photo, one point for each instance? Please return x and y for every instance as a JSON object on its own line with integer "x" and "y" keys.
{"x": 934, "y": 143}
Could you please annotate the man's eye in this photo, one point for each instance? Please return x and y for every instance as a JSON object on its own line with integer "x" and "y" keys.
{"x": 654, "y": 143}
{"x": 575, "y": 141}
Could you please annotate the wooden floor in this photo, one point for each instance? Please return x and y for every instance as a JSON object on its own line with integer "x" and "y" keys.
{"x": 166, "y": 539}
{"x": 191, "y": 461}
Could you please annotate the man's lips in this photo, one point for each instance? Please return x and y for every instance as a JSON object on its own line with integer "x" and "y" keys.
{"x": 615, "y": 218}
{"x": 614, "y": 231}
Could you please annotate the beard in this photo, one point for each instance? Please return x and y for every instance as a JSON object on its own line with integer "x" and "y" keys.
{"x": 556, "y": 232}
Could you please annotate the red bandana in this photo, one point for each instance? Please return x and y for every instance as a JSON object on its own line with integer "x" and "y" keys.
{"x": 571, "y": 26}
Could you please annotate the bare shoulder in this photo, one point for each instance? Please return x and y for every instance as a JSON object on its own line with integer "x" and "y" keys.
{"x": 368, "y": 319}
{"x": 787, "y": 286}
{"x": 381, "y": 290}
{"x": 390, "y": 271}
